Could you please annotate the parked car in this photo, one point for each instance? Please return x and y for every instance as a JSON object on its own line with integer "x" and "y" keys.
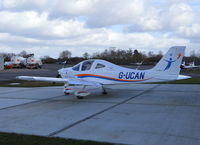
{"x": 8, "y": 65}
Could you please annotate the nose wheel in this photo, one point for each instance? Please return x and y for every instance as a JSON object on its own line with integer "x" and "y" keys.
{"x": 68, "y": 90}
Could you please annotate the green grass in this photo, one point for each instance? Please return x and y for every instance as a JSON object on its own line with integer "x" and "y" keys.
{"x": 20, "y": 139}
{"x": 28, "y": 84}
{"x": 189, "y": 71}
{"x": 186, "y": 81}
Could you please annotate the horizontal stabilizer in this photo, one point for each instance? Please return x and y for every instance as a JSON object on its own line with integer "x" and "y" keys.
{"x": 182, "y": 77}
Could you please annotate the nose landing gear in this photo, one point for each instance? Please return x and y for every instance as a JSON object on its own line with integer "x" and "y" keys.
{"x": 67, "y": 90}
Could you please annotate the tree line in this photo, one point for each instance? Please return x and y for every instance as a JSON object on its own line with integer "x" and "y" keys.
{"x": 125, "y": 56}
{"x": 112, "y": 54}
{"x": 117, "y": 56}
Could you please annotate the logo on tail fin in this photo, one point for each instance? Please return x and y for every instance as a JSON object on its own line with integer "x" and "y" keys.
{"x": 170, "y": 61}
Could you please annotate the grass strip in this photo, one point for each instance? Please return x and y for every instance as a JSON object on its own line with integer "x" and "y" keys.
{"x": 191, "y": 71}
{"x": 21, "y": 139}
{"x": 186, "y": 81}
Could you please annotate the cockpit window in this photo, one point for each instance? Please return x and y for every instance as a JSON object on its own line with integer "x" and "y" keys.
{"x": 99, "y": 66}
{"x": 87, "y": 65}
{"x": 76, "y": 67}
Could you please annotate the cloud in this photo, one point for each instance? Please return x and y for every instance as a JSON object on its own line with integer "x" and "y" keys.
{"x": 190, "y": 32}
{"x": 34, "y": 25}
{"x": 141, "y": 15}
{"x": 96, "y": 40}
{"x": 72, "y": 7}
{"x": 165, "y": 19}
{"x": 101, "y": 13}
{"x": 22, "y": 5}
{"x": 50, "y": 26}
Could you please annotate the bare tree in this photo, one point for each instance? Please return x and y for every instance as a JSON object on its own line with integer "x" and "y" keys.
{"x": 86, "y": 55}
{"x": 65, "y": 54}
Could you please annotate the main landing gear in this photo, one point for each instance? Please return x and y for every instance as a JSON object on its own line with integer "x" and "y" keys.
{"x": 104, "y": 91}
{"x": 81, "y": 93}
{"x": 79, "y": 97}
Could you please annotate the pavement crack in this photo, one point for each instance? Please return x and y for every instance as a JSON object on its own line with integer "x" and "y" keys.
{"x": 37, "y": 101}
{"x": 100, "y": 112}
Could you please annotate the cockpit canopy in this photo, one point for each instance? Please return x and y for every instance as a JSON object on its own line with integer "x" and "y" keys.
{"x": 92, "y": 64}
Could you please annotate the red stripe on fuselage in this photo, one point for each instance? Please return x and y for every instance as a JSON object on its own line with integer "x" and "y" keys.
{"x": 99, "y": 76}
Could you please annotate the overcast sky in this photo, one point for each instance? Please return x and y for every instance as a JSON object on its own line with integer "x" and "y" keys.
{"x": 47, "y": 27}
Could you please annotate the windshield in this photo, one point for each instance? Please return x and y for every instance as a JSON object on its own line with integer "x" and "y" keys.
{"x": 76, "y": 67}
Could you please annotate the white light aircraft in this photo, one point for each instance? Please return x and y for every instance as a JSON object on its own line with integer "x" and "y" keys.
{"x": 190, "y": 66}
{"x": 101, "y": 73}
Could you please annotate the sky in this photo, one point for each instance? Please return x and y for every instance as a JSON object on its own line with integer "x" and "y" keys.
{"x": 48, "y": 27}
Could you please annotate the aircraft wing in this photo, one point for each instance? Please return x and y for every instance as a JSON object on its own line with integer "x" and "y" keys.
{"x": 72, "y": 81}
{"x": 44, "y": 79}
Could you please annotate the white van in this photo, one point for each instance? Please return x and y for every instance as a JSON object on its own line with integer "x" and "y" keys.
{"x": 33, "y": 62}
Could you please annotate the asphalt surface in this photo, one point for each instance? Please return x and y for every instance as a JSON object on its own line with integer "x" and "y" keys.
{"x": 48, "y": 70}
{"x": 139, "y": 114}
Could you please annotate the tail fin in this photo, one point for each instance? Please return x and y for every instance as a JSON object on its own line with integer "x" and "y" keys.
{"x": 170, "y": 63}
